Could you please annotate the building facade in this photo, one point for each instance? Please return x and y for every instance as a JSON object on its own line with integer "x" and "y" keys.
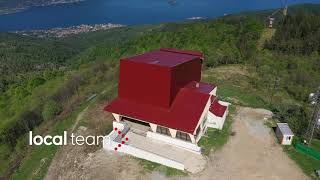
{"x": 284, "y": 134}
{"x": 161, "y": 96}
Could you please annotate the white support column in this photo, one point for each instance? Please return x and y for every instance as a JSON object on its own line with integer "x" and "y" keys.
{"x": 193, "y": 140}
{"x": 214, "y": 91}
{"x": 173, "y": 132}
{"x": 153, "y": 127}
{"x": 116, "y": 117}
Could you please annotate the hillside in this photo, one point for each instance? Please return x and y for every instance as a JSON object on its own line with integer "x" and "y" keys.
{"x": 46, "y": 82}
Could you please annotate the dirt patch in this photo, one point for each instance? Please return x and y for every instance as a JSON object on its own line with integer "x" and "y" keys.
{"x": 252, "y": 153}
{"x": 227, "y": 72}
{"x": 76, "y": 162}
{"x": 92, "y": 162}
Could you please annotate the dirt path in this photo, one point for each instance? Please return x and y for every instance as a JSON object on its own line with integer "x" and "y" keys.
{"x": 92, "y": 162}
{"x": 79, "y": 117}
{"x": 252, "y": 153}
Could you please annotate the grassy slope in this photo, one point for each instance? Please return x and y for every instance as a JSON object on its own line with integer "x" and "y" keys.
{"x": 36, "y": 164}
{"x": 99, "y": 53}
{"x": 38, "y": 159}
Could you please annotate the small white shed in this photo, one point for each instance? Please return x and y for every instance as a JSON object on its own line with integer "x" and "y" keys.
{"x": 284, "y": 134}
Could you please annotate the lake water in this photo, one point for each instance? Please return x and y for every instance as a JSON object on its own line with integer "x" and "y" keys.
{"x": 129, "y": 12}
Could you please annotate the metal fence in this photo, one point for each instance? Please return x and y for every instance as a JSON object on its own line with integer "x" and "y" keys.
{"x": 307, "y": 150}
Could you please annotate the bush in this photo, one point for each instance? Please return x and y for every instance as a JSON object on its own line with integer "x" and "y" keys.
{"x": 25, "y": 122}
{"x": 51, "y": 109}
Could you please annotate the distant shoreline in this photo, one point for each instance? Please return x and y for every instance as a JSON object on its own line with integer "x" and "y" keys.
{"x": 23, "y": 7}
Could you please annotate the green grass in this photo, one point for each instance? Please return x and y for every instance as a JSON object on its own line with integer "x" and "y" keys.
{"x": 241, "y": 97}
{"x": 35, "y": 165}
{"x": 266, "y": 35}
{"x": 217, "y": 138}
{"x": 305, "y": 162}
{"x": 315, "y": 144}
{"x": 4, "y": 157}
{"x": 168, "y": 171}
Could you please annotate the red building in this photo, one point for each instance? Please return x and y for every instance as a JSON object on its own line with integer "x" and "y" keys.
{"x": 161, "y": 91}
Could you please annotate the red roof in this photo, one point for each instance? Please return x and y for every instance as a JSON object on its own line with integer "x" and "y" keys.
{"x": 200, "y": 86}
{"x": 162, "y": 87}
{"x": 166, "y": 57}
{"x": 157, "y": 82}
{"x": 216, "y": 108}
{"x": 183, "y": 115}
{"x": 195, "y": 53}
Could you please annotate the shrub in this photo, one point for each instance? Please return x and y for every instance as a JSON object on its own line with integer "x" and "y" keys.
{"x": 25, "y": 122}
{"x": 51, "y": 109}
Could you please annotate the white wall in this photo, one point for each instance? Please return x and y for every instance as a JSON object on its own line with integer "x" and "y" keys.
{"x": 217, "y": 122}
{"x": 118, "y": 125}
{"x": 283, "y": 138}
{"x": 286, "y": 141}
{"x": 203, "y": 117}
{"x": 176, "y": 142}
{"x": 116, "y": 117}
{"x": 214, "y": 121}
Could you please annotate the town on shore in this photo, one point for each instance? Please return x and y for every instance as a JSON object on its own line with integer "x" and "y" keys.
{"x": 67, "y": 31}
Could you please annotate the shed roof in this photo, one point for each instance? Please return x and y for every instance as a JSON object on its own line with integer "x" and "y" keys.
{"x": 285, "y": 129}
{"x": 216, "y": 108}
{"x": 166, "y": 57}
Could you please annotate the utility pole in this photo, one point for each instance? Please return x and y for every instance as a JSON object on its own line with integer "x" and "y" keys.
{"x": 315, "y": 119}
{"x": 285, "y": 10}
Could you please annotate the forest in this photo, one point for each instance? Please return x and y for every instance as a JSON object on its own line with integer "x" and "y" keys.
{"x": 42, "y": 81}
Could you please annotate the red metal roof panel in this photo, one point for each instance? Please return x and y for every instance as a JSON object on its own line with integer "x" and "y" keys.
{"x": 195, "y": 53}
{"x": 183, "y": 115}
{"x": 216, "y": 108}
{"x": 166, "y": 57}
{"x": 200, "y": 86}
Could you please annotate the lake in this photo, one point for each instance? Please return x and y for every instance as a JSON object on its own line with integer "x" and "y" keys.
{"x": 129, "y": 12}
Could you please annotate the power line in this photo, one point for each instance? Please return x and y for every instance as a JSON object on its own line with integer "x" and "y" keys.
{"x": 314, "y": 121}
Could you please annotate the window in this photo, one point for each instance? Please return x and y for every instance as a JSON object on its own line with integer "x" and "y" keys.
{"x": 183, "y": 136}
{"x": 163, "y": 130}
{"x": 288, "y": 138}
{"x": 135, "y": 121}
